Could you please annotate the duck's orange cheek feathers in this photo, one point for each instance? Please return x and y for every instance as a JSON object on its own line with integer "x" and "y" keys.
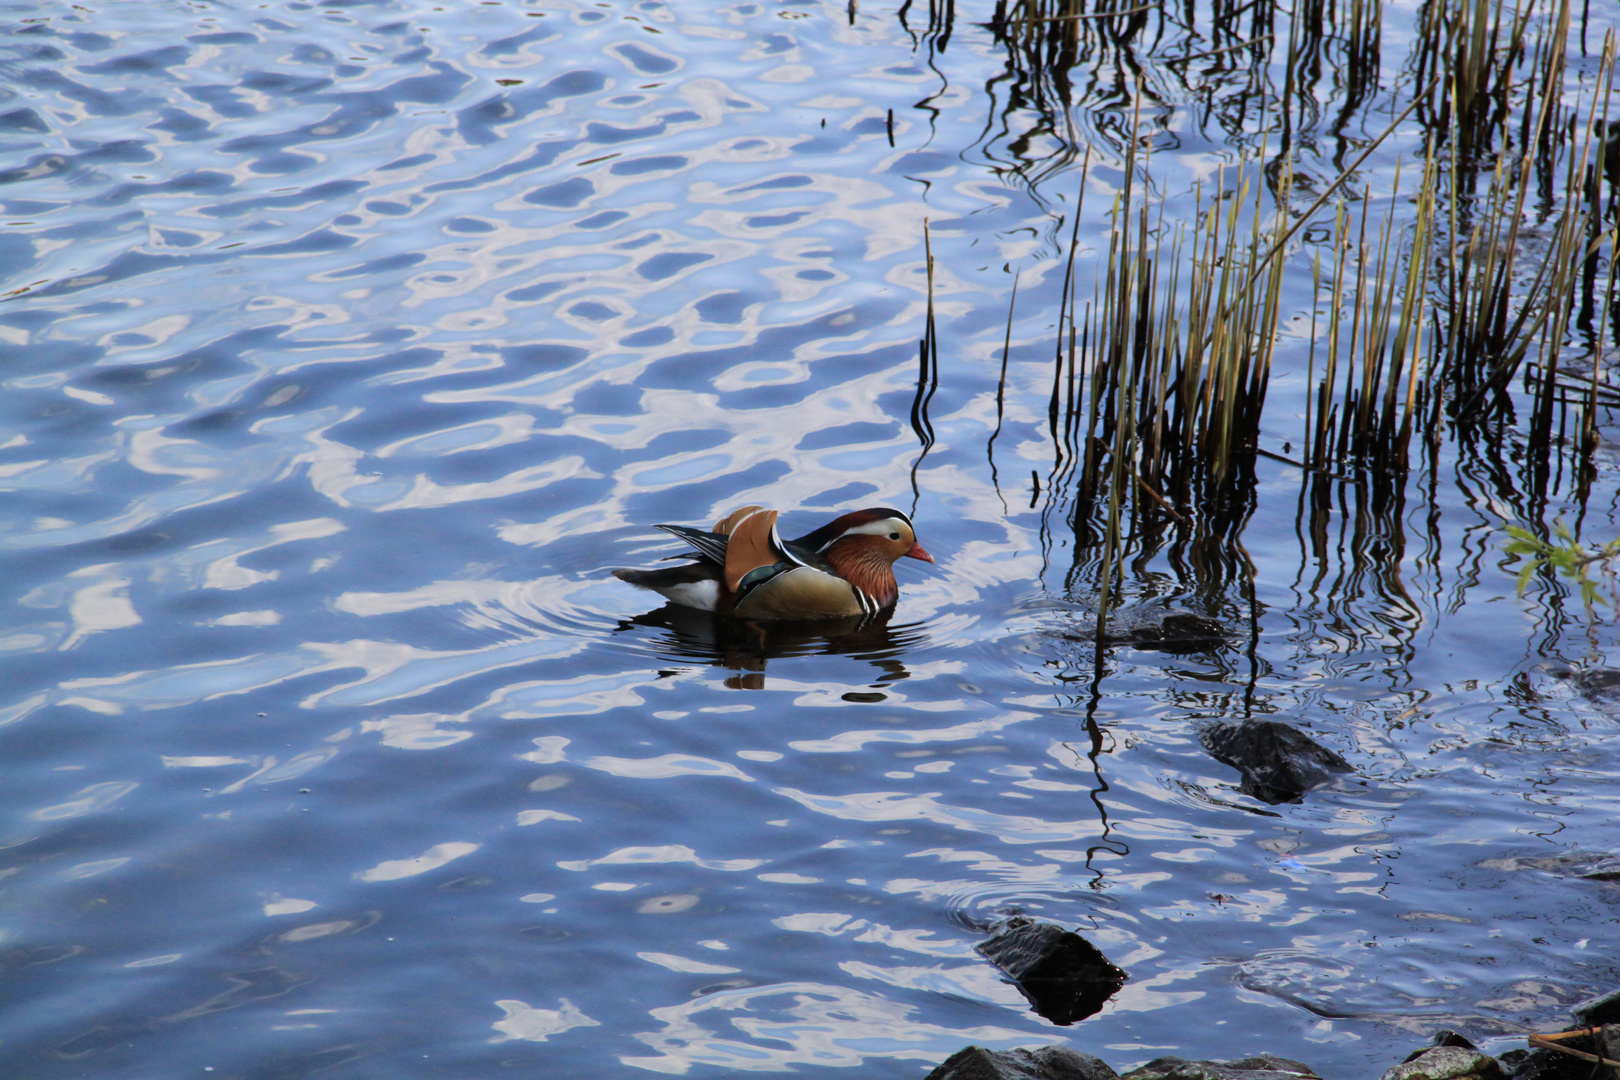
{"x": 917, "y": 552}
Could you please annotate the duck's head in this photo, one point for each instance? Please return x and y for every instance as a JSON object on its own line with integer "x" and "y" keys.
{"x": 876, "y": 534}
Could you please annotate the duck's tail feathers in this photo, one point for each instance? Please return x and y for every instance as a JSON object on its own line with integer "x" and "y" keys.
{"x": 711, "y": 546}
{"x": 694, "y": 585}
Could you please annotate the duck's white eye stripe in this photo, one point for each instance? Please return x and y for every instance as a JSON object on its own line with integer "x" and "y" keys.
{"x": 888, "y": 527}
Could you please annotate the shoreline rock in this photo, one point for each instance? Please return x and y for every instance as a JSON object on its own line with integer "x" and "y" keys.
{"x": 1448, "y": 1056}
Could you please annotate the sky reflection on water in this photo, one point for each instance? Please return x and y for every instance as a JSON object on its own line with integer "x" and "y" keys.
{"x": 350, "y": 345}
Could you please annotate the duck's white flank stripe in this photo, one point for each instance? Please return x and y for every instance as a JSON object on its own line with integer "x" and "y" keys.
{"x": 703, "y": 595}
{"x": 778, "y": 546}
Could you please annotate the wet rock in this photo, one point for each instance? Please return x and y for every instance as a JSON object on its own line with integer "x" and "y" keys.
{"x": 1594, "y": 1012}
{"x": 1279, "y": 763}
{"x": 1540, "y": 1064}
{"x": 1447, "y": 1063}
{"x": 1443, "y": 1037}
{"x": 1063, "y": 975}
{"x": 1046, "y": 1063}
{"x": 1258, "y": 1067}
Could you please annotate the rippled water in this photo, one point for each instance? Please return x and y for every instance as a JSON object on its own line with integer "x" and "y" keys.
{"x": 347, "y": 346}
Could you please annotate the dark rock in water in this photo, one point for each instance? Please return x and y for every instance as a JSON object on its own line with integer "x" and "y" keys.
{"x": 1606, "y": 868}
{"x": 1447, "y": 1063}
{"x": 1047, "y": 1063}
{"x": 1062, "y": 974}
{"x": 1540, "y": 1064}
{"x": 1258, "y": 1067}
{"x": 1609, "y": 1043}
{"x": 1511, "y": 1060}
{"x": 1594, "y": 1012}
{"x": 1279, "y": 763}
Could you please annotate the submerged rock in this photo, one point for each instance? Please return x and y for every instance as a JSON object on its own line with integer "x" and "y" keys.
{"x": 1047, "y": 1063}
{"x": 1064, "y": 976}
{"x": 1591, "y": 865}
{"x": 1447, "y": 1063}
{"x": 1176, "y": 632}
{"x": 1601, "y": 686}
{"x": 1258, "y": 1067}
{"x": 1279, "y": 763}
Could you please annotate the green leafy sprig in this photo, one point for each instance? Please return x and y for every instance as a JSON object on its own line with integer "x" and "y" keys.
{"x": 1573, "y": 561}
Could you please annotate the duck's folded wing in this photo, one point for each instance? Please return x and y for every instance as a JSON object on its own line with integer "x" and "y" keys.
{"x": 754, "y": 545}
{"x": 729, "y": 522}
{"x": 712, "y": 544}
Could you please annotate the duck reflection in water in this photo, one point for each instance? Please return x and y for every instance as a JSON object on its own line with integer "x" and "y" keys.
{"x": 745, "y": 646}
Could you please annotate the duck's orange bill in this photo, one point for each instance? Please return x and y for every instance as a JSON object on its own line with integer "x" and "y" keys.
{"x": 917, "y": 552}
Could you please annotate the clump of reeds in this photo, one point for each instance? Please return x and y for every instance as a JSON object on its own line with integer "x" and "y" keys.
{"x": 1375, "y": 298}
{"x": 1466, "y": 51}
{"x": 1495, "y": 320}
{"x": 1421, "y": 317}
{"x": 1159, "y": 387}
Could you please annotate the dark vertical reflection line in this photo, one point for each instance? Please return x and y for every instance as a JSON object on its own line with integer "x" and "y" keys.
{"x": 1094, "y": 730}
{"x": 1001, "y": 392}
{"x": 927, "y": 376}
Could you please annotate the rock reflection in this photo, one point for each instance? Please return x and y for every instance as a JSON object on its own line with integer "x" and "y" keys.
{"x": 746, "y": 647}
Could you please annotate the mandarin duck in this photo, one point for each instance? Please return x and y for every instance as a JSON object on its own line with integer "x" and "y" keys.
{"x": 744, "y": 568}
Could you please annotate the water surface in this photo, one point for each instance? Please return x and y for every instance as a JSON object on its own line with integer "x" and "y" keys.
{"x": 348, "y": 346}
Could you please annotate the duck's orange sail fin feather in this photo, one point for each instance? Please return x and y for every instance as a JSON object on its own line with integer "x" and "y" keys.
{"x": 750, "y": 545}
{"x": 729, "y": 522}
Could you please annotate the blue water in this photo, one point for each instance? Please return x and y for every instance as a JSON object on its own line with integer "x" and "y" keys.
{"x": 347, "y": 346}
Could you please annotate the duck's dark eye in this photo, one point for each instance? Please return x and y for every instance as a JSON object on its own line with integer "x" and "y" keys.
{"x": 894, "y": 536}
